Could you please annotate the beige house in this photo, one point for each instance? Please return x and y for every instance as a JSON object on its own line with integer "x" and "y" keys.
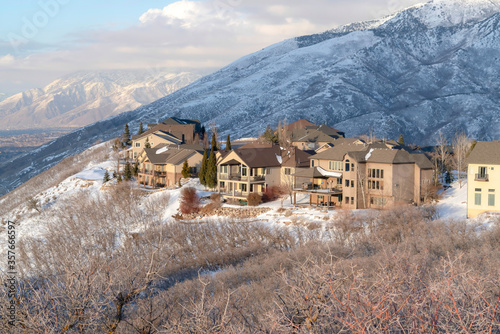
{"x": 312, "y": 137}
{"x": 172, "y": 131}
{"x": 483, "y": 179}
{"x": 156, "y": 138}
{"x": 162, "y": 166}
{"x": 357, "y": 175}
{"x": 254, "y": 167}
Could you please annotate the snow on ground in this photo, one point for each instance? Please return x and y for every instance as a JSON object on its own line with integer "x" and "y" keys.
{"x": 453, "y": 203}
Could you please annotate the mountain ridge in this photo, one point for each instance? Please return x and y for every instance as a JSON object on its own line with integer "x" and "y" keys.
{"x": 405, "y": 75}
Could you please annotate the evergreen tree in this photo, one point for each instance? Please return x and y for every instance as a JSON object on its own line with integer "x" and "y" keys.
{"x": 106, "y": 177}
{"x": 214, "y": 148}
{"x": 448, "y": 177}
{"x": 269, "y": 136}
{"x": 127, "y": 176}
{"x": 147, "y": 144}
{"x": 114, "y": 175}
{"x": 119, "y": 178}
{"x": 401, "y": 140}
{"x": 228, "y": 143}
{"x": 211, "y": 171}
{"x": 180, "y": 185}
{"x": 135, "y": 170}
{"x": 186, "y": 172}
{"x": 141, "y": 129}
{"x": 126, "y": 135}
{"x": 203, "y": 168}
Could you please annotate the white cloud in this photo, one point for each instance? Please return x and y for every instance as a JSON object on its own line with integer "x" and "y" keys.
{"x": 7, "y": 60}
{"x": 193, "y": 34}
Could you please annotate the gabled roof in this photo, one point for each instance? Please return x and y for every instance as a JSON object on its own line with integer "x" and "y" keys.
{"x": 300, "y": 124}
{"x": 163, "y": 155}
{"x": 337, "y": 152}
{"x": 485, "y": 152}
{"x": 295, "y": 157}
{"x": 167, "y": 136}
{"x": 390, "y": 156}
{"x": 179, "y": 121}
{"x": 260, "y": 157}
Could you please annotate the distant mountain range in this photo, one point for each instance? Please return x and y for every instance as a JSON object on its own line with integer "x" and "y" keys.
{"x": 430, "y": 68}
{"x": 84, "y": 98}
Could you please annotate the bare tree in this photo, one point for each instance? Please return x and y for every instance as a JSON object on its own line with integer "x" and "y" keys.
{"x": 441, "y": 153}
{"x": 461, "y": 146}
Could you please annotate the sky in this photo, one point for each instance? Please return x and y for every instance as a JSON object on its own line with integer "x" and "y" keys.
{"x": 42, "y": 40}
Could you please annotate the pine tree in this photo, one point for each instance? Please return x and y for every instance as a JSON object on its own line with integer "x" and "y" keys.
{"x": 401, "y": 140}
{"x": 269, "y": 136}
{"x": 106, "y": 177}
{"x": 119, "y": 178}
{"x": 126, "y": 135}
{"x": 180, "y": 185}
{"x": 141, "y": 129}
{"x": 214, "y": 148}
{"x": 186, "y": 172}
{"x": 228, "y": 143}
{"x": 147, "y": 144}
{"x": 127, "y": 176}
{"x": 211, "y": 172}
{"x": 135, "y": 170}
{"x": 114, "y": 175}
{"x": 203, "y": 168}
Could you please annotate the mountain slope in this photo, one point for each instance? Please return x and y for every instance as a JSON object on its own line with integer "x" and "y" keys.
{"x": 430, "y": 68}
{"x": 86, "y": 97}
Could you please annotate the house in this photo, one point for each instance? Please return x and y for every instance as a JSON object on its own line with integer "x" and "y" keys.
{"x": 311, "y": 137}
{"x": 172, "y": 131}
{"x": 356, "y": 175}
{"x": 380, "y": 178}
{"x": 483, "y": 179}
{"x": 162, "y": 166}
{"x": 254, "y": 167}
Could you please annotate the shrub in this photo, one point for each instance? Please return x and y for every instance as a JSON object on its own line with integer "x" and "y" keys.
{"x": 254, "y": 199}
{"x": 189, "y": 201}
{"x": 215, "y": 203}
{"x": 271, "y": 194}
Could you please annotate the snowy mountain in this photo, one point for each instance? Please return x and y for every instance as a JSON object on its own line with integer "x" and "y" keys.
{"x": 87, "y": 97}
{"x": 432, "y": 67}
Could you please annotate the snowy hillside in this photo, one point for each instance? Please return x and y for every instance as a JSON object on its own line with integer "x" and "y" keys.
{"x": 87, "y": 97}
{"x": 430, "y": 68}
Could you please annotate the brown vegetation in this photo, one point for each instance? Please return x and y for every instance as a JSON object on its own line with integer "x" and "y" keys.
{"x": 120, "y": 270}
{"x": 189, "y": 201}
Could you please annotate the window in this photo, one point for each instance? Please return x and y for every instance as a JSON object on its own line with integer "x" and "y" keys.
{"x": 347, "y": 200}
{"x": 347, "y": 165}
{"x": 381, "y": 173}
{"x": 352, "y": 200}
{"x": 352, "y": 184}
{"x": 135, "y": 155}
{"x": 192, "y": 170}
{"x": 288, "y": 171}
{"x": 352, "y": 166}
{"x": 491, "y": 199}
{"x": 482, "y": 172}
{"x": 312, "y": 163}
{"x": 347, "y": 183}
{"x": 477, "y": 190}
{"x": 243, "y": 187}
{"x": 477, "y": 199}
{"x": 378, "y": 174}
{"x": 137, "y": 144}
{"x": 244, "y": 171}
{"x": 268, "y": 171}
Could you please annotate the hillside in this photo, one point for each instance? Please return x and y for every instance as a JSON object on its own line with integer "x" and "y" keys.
{"x": 84, "y": 98}
{"x": 427, "y": 69}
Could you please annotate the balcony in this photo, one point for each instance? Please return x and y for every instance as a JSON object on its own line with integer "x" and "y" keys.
{"x": 482, "y": 177}
{"x": 239, "y": 178}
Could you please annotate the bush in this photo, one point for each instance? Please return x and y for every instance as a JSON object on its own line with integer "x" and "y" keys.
{"x": 189, "y": 201}
{"x": 254, "y": 199}
{"x": 271, "y": 194}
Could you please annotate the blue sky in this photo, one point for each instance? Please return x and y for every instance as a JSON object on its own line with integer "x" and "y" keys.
{"x": 42, "y": 40}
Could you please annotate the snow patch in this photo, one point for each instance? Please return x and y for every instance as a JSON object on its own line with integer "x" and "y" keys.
{"x": 369, "y": 154}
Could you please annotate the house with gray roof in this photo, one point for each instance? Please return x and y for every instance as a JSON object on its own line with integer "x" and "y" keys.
{"x": 162, "y": 165}
{"x": 483, "y": 179}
